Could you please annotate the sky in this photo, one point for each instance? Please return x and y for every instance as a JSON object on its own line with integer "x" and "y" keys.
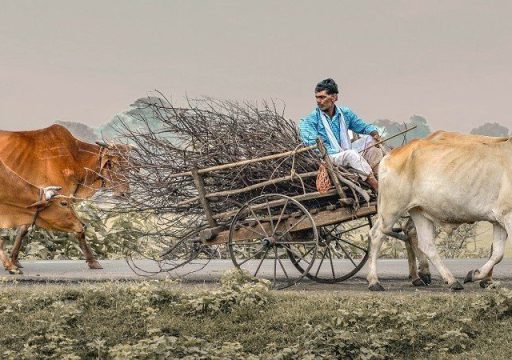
{"x": 448, "y": 61}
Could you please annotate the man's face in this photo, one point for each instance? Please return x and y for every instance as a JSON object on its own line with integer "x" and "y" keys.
{"x": 324, "y": 100}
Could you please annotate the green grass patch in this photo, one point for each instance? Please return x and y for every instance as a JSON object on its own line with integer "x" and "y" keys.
{"x": 243, "y": 319}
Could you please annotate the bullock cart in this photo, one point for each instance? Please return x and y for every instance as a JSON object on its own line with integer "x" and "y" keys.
{"x": 320, "y": 236}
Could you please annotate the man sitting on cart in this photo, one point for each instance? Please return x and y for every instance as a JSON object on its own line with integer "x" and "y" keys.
{"x": 331, "y": 123}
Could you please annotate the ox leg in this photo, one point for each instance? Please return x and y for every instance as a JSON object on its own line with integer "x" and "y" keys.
{"x": 86, "y": 249}
{"x": 485, "y": 283}
{"x": 422, "y": 277}
{"x": 498, "y": 249}
{"x": 376, "y": 238}
{"x": 411, "y": 254}
{"x": 425, "y": 231}
{"x": 411, "y": 261}
{"x": 8, "y": 265}
{"x": 377, "y": 235}
{"x": 417, "y": 278}
{"x": 20, "y": 234}
{"x": 423, "y": 267}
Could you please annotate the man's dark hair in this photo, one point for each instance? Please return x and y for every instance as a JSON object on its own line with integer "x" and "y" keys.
{"x": 329, "y": 85}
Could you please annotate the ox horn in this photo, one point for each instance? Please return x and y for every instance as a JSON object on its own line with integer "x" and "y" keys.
{"x": 51, "y": 191}
{"x": 102, "y": 144}
{"x": 72, "y": 198}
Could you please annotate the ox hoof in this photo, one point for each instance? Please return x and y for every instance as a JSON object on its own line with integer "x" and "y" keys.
{"x": 15, "y": 271}
{"x": 94, "y": 265}
{"x": 426, "y": 277}
{"x": 376, "y": 287}
{"x": 456, "y": 286}
{"x": 419, "y": 282}
{"x": 470, "y": 277}
{"x": 484, "y": 284}
{"x": 17, "y": 264}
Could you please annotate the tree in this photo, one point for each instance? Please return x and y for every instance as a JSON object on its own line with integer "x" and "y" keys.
{"x": 422, "y": 129}
{"x": 142, "y": 113}
{"x": 80, "y": 131}
{"x": 389, "y": 128}
{"x": 491, "y": 129}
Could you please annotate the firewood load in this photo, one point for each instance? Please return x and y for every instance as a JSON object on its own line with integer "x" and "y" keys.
{"x": 208, "y": 133}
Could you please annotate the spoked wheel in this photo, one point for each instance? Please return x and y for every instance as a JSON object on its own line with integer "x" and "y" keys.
{"x": 187, "y": 250}
{"x": 261, "y": 239}
{"x": 342, "y": 251}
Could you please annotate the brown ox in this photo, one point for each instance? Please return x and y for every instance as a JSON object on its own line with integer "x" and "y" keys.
{"x": 450, "y": 179}
{"x": 53, "y": 156}
{"x": 22, "y": 203}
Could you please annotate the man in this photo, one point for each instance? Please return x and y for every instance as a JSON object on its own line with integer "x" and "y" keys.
{"x": 331, "y": 123}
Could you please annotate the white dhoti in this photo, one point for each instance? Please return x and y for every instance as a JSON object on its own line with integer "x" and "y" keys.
{"x": 358, "y": 155}
{"x": 365, "y": 162}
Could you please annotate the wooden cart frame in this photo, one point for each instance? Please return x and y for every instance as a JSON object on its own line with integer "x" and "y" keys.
{"x": 275, "y": 236}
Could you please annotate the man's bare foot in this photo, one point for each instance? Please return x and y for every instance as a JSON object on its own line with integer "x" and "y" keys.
{"x": 372, "y": 181}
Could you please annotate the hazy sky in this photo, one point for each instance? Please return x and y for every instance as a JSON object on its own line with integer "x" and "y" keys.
{"x": 449, "y": 61}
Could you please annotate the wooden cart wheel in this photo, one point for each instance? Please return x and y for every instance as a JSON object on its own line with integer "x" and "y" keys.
{"x": 342, "y": 251}
{"x": 182, "y": 251}
{"x": 260, "y": 239}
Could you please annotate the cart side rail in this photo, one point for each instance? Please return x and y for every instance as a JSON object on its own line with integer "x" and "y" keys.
{"x": 246, "y": 162}
{"x": 204, "y": 197}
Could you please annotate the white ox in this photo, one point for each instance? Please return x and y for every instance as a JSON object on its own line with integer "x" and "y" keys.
{"x": 450, "y": 179}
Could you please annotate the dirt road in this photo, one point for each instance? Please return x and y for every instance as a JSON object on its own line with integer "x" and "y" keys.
{"x": 393, "y": 274}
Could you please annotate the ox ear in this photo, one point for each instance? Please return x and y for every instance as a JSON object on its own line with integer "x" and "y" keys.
{"x": 38, "y": 203}
{"x": 104, "y": 161}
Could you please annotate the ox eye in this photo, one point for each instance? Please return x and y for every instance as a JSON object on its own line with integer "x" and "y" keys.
{"x": 63, "y": 203}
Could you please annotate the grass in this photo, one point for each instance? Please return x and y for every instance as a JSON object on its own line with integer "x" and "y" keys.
{"x": 244, "y": 320}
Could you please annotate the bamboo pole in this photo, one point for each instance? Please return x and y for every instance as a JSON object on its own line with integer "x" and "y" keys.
{"x": 249, "y": 188}
{"x": 244, "y": 162}
{"x": 389, "y": 138}
{"x": 198, "y": 181}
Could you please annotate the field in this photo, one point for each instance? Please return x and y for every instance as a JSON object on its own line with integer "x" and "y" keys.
{"x": 242, "y": 319}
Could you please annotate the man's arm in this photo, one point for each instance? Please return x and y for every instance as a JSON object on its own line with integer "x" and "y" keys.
{"x": 308, "y": 130}
{"x": 359, "y": 126}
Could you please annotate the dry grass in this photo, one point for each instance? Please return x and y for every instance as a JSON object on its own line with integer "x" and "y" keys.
{"x": 244, "y": 320}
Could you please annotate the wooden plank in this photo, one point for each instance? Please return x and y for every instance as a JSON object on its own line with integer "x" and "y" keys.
{"x": 323, "y": 218}
{"x": 245, "y": 162}
{"x": 262, "y": 184}
{"x": 248, "y": 188}
{"x": 310, "y": 196}
{"x": 340, "y": 215}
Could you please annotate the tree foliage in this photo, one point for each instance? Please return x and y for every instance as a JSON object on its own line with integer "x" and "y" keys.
{"x": 142, "y": 108}
{"x": 80, "y": 131}
{"x": 491, "y": 129}
{"x": 389, "y": 128}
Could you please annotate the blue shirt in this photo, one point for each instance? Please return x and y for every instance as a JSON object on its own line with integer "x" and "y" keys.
{"x": 311, "y": 127}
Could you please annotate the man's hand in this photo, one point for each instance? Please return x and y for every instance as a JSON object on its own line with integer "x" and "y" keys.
{"x": 375, "y": 135}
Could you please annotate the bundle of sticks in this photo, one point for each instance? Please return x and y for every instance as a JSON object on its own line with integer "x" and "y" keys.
{"x": 207, "y": 133}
